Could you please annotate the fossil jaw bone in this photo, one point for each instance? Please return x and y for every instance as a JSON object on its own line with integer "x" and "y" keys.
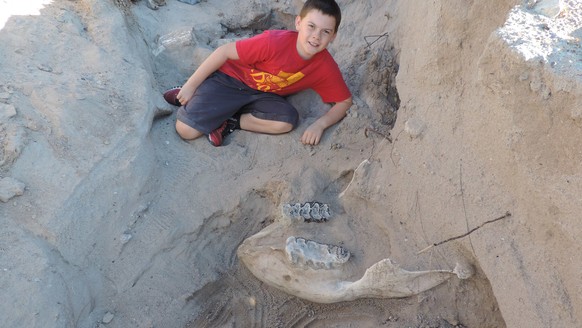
{"x": 265, "y": 255}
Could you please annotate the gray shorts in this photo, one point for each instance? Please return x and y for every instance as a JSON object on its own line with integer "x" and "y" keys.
{"x": 220, "y": 97}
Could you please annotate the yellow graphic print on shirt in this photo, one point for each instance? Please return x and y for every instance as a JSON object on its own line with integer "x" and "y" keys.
{"x": 269, "y": 82}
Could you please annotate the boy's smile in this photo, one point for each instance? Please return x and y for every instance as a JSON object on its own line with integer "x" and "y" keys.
{"x": 316, "y": 31}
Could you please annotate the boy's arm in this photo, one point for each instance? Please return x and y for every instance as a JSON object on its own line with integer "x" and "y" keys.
{"x": 208, "y": 66}
{"x": 313, "y": 134}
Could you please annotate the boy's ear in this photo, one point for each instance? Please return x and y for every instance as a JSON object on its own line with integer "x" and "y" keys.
{"x": 333, "y": 37}
{"x": 297, "y": 22}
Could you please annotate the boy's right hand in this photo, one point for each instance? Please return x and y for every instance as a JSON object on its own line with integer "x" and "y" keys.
{"x": 185, "y": 95}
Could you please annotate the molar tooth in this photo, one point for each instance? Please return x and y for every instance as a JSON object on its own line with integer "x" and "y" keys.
{"x": 314, "y": 212}
{"x": 305, "y": 211}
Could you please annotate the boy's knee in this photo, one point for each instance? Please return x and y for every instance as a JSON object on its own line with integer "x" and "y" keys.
{"x": 186, "y": 132}
{"x": 281, "y": 127}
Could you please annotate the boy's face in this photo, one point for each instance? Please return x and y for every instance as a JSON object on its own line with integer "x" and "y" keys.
{"x": 316, "y": 31}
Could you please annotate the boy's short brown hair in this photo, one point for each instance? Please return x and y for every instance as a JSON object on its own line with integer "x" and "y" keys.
{"x": 327, "y": 7}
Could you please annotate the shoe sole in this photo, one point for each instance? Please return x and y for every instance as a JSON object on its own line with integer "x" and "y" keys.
{"x": 171, "y": 96}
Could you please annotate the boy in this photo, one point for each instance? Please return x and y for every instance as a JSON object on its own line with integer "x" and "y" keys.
{"x": 241, "y": 85}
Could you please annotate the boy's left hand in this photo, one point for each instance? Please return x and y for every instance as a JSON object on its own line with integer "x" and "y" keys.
{"x": 312, "y": 135}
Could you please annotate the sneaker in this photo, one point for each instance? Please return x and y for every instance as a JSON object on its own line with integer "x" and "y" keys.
{"x": 217, "y": 136}
{"x": 171, "y": 96}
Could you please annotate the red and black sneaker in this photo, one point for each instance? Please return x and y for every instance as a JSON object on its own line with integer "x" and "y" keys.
{"x": 171, "y": 96}
{"x": 217, "y": 136}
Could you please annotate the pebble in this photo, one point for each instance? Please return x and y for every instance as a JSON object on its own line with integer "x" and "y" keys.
{"x": 125, "y": 238}
{"x": 6, "y": 112}
{"x": 9, "y": 188}
{"x": 107, "y": 318}
{"x": 45, "y": 68}
{"x": 414, "y": 127}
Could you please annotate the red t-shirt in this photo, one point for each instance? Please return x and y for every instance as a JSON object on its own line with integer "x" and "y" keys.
{"x": 270, "y": 62}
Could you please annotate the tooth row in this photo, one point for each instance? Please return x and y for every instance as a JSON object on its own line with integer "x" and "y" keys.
{"x": 307, "y": 212}
{"x": 309, "y": 253}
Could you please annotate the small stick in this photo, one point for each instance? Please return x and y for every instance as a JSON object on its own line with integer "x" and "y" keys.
{"x": 387, "y": 136}
{"x": 506, "y": 215}
{"x": 378, "y": 37}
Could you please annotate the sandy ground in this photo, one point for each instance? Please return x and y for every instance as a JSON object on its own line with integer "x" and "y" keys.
{"x": 109, "y": 219}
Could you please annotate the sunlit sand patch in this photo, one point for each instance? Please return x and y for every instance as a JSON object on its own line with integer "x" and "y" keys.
{"x": 9, "y": 8}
